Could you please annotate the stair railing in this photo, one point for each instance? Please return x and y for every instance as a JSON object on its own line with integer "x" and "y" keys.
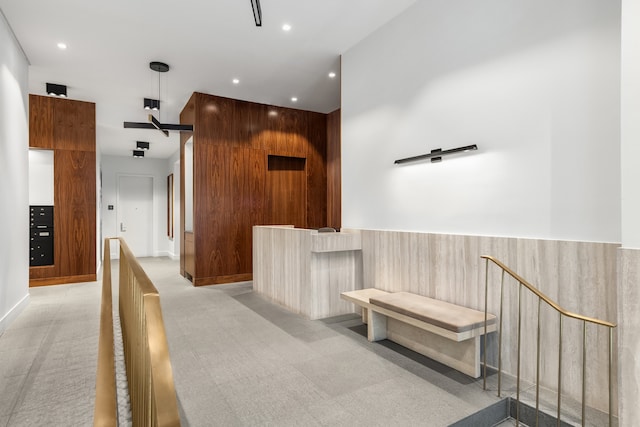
{"x": 562, "y": 313}
{"x": 146, "y": 353}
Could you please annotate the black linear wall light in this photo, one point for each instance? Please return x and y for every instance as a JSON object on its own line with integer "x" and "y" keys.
{"x": 57, "y": 90}
{"x": 138, "y": 154}
{"x": 142, "y": 145}
{"x": 257, "y": 12}
{"x": 436, "y": 155}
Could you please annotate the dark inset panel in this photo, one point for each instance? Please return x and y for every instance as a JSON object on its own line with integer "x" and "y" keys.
{"x": 286, "y": 191}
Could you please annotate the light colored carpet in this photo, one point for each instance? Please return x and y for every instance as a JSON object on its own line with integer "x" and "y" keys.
{"x": 238, "y": 360}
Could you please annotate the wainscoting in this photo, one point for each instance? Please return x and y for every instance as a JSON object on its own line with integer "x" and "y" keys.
{"x": 629, "y": 334}
{"x": 580, "y": 276}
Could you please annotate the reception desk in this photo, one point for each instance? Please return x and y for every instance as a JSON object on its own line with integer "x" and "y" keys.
{"x": 305, "y": 271}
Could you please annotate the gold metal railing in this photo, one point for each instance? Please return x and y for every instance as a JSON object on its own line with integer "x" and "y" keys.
{"x": 146, "y": 353}
{"x": 106, "y": 410}
{"x": 562, "y": 313}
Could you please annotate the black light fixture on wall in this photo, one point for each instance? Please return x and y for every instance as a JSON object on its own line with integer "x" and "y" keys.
{"x": 138, "y": 154}
{"x": 57, "y": 90}
{"x": 257, "y": 12}
{"x": 436, "y": 155}
{"x": 142, "y": 145}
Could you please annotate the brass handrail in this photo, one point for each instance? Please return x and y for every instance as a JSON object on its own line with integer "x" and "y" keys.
{"x": 146, "y": 353}
{"x": 105, "y": 412}
{"x": 151, "y": 387}
{"x": 562, "y": 313}
{"x": 545, "y": 298}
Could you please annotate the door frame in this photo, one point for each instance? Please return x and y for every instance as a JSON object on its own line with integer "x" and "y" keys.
{"x": 153, "y": 211}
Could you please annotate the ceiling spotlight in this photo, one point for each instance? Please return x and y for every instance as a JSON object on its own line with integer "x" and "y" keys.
{"x": 257, "y": 12}
{"x": 57, "y": 90}
{"x": 332, "y": 75}
{"x": 286, "y": 27}
{"x": 138, "y": 154}
{"x": 236, "y": 81}
{"x": 294, "y": 99}
{"x": 62, "y": 46}
{"x": 151, "y": 104}
{"x": 142, "y": 145}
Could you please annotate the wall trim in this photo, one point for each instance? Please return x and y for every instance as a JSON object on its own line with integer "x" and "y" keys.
{"x": 13, "y": 313}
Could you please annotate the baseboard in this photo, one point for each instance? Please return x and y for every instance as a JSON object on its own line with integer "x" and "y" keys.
{"x": 13, "y": 313}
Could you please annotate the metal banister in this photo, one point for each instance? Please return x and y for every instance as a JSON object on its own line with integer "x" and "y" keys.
{"x": 561, "y": 313}
{"x": 146, "y": 352}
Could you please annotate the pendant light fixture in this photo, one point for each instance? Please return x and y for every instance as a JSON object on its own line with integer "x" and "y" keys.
{"x": 159, "y": 67}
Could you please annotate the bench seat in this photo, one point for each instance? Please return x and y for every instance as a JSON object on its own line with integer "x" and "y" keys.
{"x": 439, "y": 313}
{"x": 445, "y": 332}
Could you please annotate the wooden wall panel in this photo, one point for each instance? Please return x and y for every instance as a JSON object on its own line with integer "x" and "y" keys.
{"x": 232, "y": 144}
{"x": 74, "y": 125}
{"x": 334, "y": 171}
{"x": 187, "y": 116}
{"x": 317, "y": 170}
{"x": 68, "y": 127}
{"x": 40, "y": 122}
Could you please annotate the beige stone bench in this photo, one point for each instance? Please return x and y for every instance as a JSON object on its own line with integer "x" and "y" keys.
{"x": 445, "y": 332}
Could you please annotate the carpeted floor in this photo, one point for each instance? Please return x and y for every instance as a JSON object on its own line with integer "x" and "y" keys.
{"x": 238, "y": 360}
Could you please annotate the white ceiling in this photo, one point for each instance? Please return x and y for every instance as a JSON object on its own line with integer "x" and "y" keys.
{"x": 207, "y": 43}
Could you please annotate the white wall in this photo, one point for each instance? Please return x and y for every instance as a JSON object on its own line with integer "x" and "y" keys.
{"x": 536, "y": 84}
{"x": 14, "y": 178}
{"x": 112, "y": 167}
{"x": 630, "y": 124}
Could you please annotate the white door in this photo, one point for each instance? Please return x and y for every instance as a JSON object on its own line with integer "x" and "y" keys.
{"x": 135, "y": 213}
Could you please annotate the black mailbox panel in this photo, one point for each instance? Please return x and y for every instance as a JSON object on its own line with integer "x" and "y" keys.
{"x": 41, "y": 235}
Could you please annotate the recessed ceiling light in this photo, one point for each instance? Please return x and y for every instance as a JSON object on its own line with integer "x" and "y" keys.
{"x": 62, "y": 46}
{"x": 235, "y": 81}
{"x": 286, "y": 27}
{"x": 294, "y": 99}
{"x": 332, "y": 75}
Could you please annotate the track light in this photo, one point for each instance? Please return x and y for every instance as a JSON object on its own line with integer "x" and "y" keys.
{"x": 57, "y": 90}
{"x": 142, "y": 145}
{"x": 138, "y": 154}
{"x": 257, "y": 12}
{"x": 151, "y": 104}
{"x": 436, "y": 155}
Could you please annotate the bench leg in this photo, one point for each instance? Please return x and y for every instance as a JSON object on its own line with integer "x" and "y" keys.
{"x": 365, "y": 317}
{"x": 377, "y": 326}
{"x": 463, "y": 356}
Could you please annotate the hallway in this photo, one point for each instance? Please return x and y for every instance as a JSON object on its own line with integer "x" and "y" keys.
{"x": 237, "y": 360}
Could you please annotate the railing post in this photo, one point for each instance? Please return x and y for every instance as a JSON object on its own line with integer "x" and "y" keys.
{"x": 559, "y": 368}
{"x": 584, "y": 369}
{"x": 538, "y": 366}
{"x": 500, "y": 335}
{"x": 486, "y": 297}
{"x": 519, "y": 357}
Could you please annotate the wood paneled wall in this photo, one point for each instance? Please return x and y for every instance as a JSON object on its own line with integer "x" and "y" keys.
{"x": 68, "y": 128}
{"x": 334, "y": 171}
{"x": 232, "y": 142}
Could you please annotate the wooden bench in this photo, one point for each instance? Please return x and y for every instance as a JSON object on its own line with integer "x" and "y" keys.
{"x": 445, "y": 332}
